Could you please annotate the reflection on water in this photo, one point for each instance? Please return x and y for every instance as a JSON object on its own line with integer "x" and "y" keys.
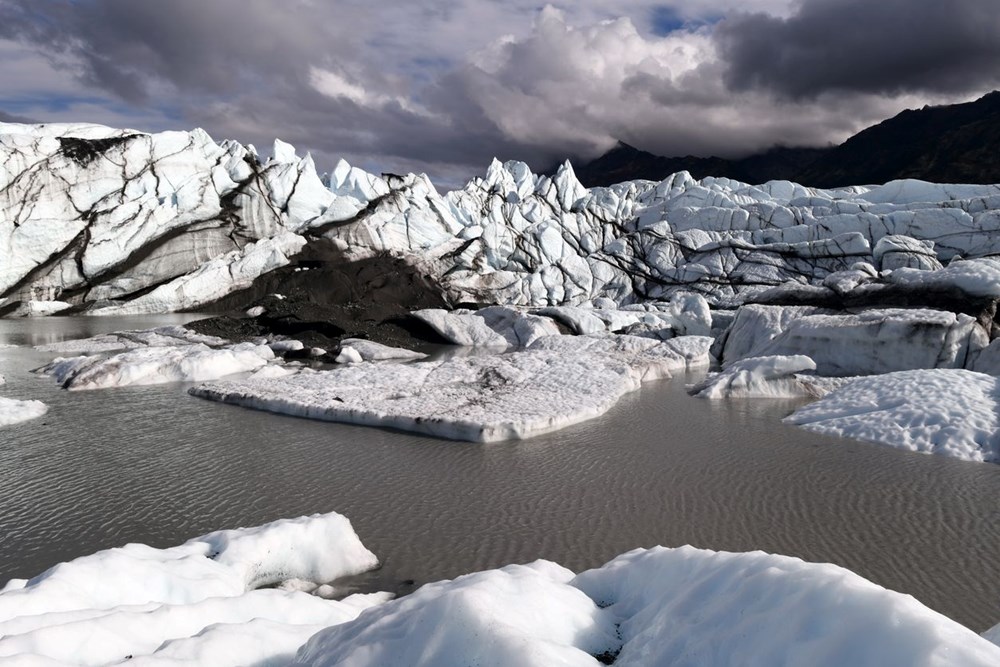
{"x": 155, "y": 465}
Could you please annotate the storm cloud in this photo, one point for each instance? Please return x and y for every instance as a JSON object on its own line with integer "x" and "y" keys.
{"x": 884, "y": 47}
{"x": 444, "y": 85}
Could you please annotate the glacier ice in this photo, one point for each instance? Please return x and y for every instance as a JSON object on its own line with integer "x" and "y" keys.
{"x": 126, "y": 222}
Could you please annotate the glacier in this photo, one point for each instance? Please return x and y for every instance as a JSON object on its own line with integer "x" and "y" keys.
{"x": 204, "y": 602}
{"x": 120, "y": 222}
{"x": 865, "y": 279}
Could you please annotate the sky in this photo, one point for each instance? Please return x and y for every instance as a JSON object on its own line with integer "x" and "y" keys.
{"x": 443, "y": 86}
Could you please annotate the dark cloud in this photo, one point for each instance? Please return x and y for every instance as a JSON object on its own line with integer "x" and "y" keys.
{"x": 444, "y": 85}
{"x": 11, "y": 118}
{"x": 870, "y": 46}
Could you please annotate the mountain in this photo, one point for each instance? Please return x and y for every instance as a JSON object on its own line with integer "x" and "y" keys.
{"x": 626, "y": 163}
{"x": 955, "y": 143}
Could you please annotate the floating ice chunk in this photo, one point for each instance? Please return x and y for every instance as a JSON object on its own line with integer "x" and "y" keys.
{"x": 371, "y": 351}
{"x": 274, "y": 371}
{"x": 281, "y": 346}
{"x": 13, "y": 411}
{"x": 524, "y": 615}
{"x": 122, "y": 340}
{"x": 156, "y": 365}
{"x": 689, "y": 606}
{"x": 760, "y": 377}
{"x": 349, "y": 355}
{"x": 256, "y": 311}
{"x": 461, "y": 327}
{"x": 951, "y": 412}
{"x": 136, "y": 600}
{"x": 844, "y": 344}
{"x": 559, "y": 381}
{"x": 519, "y": 328}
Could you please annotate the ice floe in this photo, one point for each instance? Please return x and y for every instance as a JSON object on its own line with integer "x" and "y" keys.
{"x": 556, "y": 382}
{"x": 14, "y": 411}
{"x": 951, "y": 412}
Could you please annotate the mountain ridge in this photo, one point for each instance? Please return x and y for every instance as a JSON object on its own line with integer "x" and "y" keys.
{"x": 954, "y": 143}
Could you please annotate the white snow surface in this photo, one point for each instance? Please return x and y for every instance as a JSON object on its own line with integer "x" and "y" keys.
{"x": 951, "y": 412}
{"x": 556, "y": 382}
{"x": 13, "y": 411}
{"x": 197, "y": 601}
{"x": 760, "y": 377}
{"x": 659, "y": 606}
{"x": 200, "y": 603}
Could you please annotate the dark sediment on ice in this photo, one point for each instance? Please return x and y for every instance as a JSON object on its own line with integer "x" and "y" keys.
{"x": 327, "y": 298}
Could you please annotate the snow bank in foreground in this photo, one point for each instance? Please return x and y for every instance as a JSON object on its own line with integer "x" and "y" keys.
{"x": 13, "y": 411}
{"x": 760, "y": 377}
{"x": 687, "y": 606}
{"x": 559, "y": 381}
{"x": 193, "y": 600}
{"x": 951, "y": 412}
{"x": 659, "y": 606}
{"x": 157, "y": 364}
{"x": 194, "y": 604}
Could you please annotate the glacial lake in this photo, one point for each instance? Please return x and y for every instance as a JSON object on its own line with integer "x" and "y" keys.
{"x": 154, "y": 465}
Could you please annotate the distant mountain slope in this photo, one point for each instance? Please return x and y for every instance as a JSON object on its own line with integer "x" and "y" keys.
{"x": 958, "y": 143}
{"x": 626, "y": 163}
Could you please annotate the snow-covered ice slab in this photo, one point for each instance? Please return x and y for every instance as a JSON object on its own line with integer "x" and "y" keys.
{"x": 558, "y": 381}
{"x": 126, "y": 340}
{"x": 157, "y": 365}
{"x": 844, "y": 344}
{"x": 660, "y": 606}
{"x": 951, "y": 412}
{"x": 761, "y": 377}
{"x": 196, "y": 601}
{"x": 13, "y": 411}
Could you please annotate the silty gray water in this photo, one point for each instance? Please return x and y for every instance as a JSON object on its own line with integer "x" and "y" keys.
{"x": 154, "y": 465}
